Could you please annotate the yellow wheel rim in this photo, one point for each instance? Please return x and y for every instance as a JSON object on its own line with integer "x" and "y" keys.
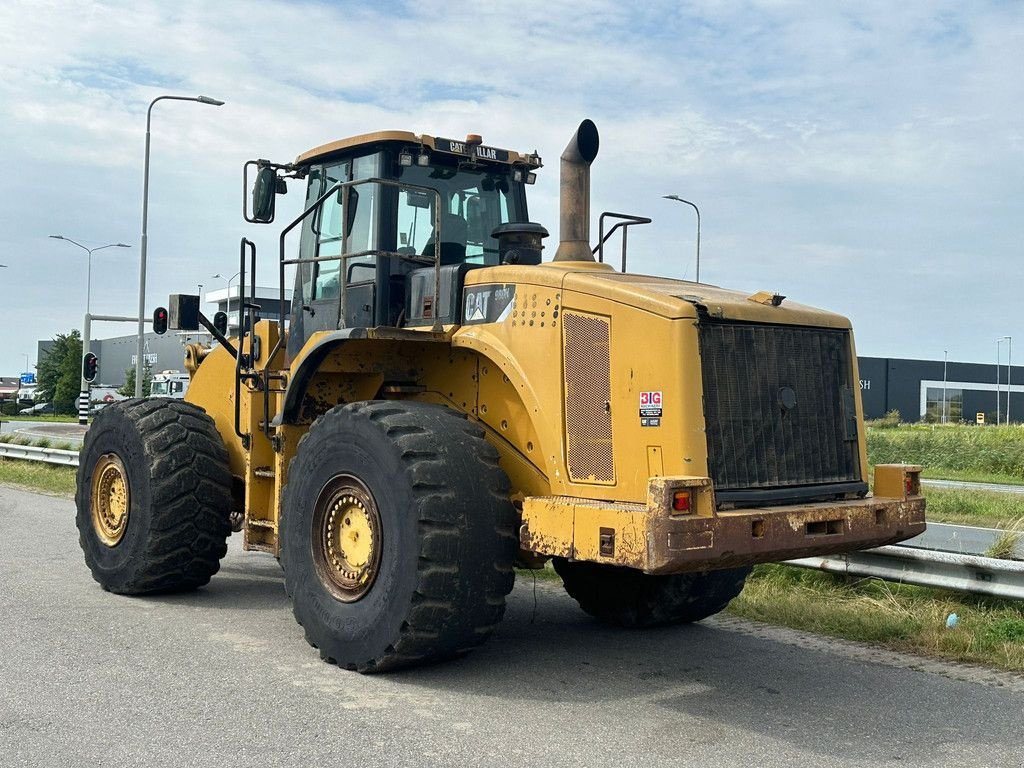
{"x": 110, "y": 499}
{"x": 346, "y": 538}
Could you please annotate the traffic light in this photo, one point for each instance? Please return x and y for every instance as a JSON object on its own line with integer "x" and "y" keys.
{"x": 160, "y": 320}
{"x": 89, "y": 365}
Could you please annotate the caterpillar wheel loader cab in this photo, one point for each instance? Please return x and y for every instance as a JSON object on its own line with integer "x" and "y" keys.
{"x": 443, "y": 406}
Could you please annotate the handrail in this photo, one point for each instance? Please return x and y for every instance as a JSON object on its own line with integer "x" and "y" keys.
{"x": 243, "y": 306}
{"x": 628, "y": 221}
{"x": 344, "y": 256}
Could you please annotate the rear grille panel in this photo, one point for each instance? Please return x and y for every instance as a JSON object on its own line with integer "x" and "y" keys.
{"x": 588, "y": 420}
{"x": 776, "y": 407}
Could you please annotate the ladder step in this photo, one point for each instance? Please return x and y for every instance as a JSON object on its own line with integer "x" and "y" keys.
{"x": 261, "y": 523}
{"x": 264, "y": 472}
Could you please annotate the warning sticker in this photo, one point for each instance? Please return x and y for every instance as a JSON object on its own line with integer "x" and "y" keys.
{"x": 650, "y": 409}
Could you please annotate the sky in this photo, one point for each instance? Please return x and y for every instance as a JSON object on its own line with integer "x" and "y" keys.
{"x": 866, "y": 157}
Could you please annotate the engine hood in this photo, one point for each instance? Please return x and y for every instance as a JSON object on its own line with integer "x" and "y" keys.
{"x": 682, "y": 299}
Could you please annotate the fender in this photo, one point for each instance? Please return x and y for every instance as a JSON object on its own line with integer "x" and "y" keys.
{"x": 309, "y": 360}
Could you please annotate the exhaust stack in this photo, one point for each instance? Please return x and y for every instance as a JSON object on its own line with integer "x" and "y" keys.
{"x": 574, "y": 199}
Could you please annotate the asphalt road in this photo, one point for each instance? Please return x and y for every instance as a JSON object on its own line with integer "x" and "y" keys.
{"x": 56, "y": 432}
{"x": 223, "y": 677}
{"x": 969, "y": 486}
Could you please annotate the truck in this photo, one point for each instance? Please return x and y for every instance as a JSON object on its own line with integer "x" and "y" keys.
{"x": 173, "y": 384}
{"x": 446, "y": 406}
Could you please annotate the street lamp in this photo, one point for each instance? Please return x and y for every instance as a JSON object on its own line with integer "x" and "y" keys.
{"x": 999, "y": 361}
{"x": 218, "y": 276}
{"x": 145, "y": 222}
{"x": 678, "y": 199}
{"x": 1009, "y": 360}
{"x": 945, "y": 355}
{"x": 88, "y": 280}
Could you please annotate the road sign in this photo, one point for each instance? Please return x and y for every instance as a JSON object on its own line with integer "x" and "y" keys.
{"x": 980, "y": 418}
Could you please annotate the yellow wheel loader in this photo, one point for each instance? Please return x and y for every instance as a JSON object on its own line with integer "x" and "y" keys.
{"x": 433, "y": 406}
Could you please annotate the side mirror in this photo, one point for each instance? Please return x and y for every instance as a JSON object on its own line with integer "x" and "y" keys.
{"x": 220, "y": 322}
{"x": 264, "y": 195}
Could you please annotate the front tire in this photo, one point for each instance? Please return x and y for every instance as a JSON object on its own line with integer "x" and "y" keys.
{"x": 629, "y": 598}
{"x": 397, "y": 535}
{"x": 153, "y": 497}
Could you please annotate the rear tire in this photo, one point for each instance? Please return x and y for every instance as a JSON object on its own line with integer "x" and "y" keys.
{"x": 629, "y": 598}
{"x": 153, "y": 497}
{"x": 397, "y": 535}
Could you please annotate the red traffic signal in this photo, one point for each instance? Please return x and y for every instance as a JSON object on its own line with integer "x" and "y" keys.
{"x": 160, "y": 320}
{"x": 89, "y": 365}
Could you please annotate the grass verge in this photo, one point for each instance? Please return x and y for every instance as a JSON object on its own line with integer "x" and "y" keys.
{"x": 967, "y": 507}
{"x": 900, "y": 617}
{"x": 37, "y": 476}
{"x": 955, "y": 452}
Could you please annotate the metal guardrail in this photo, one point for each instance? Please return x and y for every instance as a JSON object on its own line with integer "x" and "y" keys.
{"x": 928, "y": 568}
{"x": 962, "y": 539}
{"x": 944, "y": 556}
{"x": 35, "y": 453}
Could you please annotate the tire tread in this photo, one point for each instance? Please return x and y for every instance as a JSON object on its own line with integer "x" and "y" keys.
{"x": 187, "y": 468}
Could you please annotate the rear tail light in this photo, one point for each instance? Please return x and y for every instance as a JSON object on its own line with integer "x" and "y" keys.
{"x": 681, "y": 501}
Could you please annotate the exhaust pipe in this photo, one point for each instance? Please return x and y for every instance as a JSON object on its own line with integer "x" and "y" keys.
{"x": 574, "y": 199}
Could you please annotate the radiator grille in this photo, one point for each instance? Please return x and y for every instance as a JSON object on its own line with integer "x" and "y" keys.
{"x": 778, "y": 406}
{"x": 588, "y": 420}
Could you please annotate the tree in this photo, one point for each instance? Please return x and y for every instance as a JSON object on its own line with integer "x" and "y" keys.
{"x": 60, "y": 373}
{"x": 128, "y": 389}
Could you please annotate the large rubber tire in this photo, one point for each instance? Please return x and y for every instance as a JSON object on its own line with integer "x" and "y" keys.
{"x": 629, "y": 598}
{"x": 445, "y": 535}
{"x": 171, "y": 460}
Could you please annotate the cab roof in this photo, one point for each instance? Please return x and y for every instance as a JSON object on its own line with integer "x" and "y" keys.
{"x": 470, "y": 147}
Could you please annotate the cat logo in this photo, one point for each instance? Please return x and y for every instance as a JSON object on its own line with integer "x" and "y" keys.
{"x": 487, "y": 303}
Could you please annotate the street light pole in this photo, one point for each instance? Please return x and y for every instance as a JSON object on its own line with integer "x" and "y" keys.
{"x": 678, "y": 199}
{"x": 88, "y": 282}
{"x": 145, "y": 221}
{"x": 227, "y": 310}
{"x": 1009, "y": 360}
{"x": 945, "y": 356}
{"x": 999, "y": 362}
{"x": 85, "y": 387}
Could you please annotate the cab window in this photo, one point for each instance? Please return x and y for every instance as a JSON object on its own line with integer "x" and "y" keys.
{"x": 473, "y": 202}
{"x": 327, "y": 231}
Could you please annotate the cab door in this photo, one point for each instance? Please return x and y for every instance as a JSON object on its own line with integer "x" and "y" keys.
{"x": 317, "y": 303}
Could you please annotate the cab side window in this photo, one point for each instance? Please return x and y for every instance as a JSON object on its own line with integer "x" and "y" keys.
{"x": 328, "y": 233}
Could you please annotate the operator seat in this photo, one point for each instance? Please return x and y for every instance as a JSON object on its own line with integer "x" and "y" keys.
{"x": 453, "y": 239}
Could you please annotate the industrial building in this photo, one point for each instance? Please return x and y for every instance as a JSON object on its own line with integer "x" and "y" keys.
{"x": 925, "y": 390}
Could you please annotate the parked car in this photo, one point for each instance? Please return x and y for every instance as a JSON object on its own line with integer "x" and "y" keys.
{"x": 37, "y": 409}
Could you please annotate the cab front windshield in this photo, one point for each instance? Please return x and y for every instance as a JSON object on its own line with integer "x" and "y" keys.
{"x": 474, "y": 201}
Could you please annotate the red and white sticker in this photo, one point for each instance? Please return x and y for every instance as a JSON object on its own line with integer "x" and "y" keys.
{"x": 650, "y": 399}
{"x": 650, "y": 409}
